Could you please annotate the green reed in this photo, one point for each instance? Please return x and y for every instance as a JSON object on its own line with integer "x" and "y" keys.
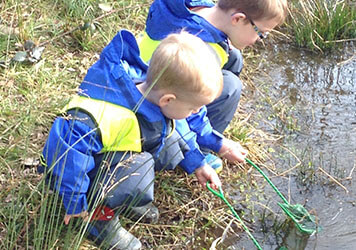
{"x": 321, "y": 25}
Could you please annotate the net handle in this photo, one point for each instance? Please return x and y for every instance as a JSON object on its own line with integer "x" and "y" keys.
{"x": 268, "y": 180}
{"x": 220, "y": 194}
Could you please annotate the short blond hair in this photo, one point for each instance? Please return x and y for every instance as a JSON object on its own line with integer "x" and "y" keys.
{"x": 184, "y": 64}
{"x": 258, "y": 9}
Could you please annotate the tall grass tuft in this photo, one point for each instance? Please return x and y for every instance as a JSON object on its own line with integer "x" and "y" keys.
{"x": 31, "y": 95}
{"x": 320, "y": 25}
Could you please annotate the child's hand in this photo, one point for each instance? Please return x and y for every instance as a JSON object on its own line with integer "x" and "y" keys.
{"x": 83, "y": 214}
{"x": 233, "y": 151}
{"x": 207, "y": 173}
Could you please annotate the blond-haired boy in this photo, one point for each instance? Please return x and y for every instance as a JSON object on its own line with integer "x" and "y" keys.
{"x": 101, "y": 157}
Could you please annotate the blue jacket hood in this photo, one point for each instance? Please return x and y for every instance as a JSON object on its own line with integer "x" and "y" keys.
{"x": 167, "y": 16}
{"x": 112, "y": 78}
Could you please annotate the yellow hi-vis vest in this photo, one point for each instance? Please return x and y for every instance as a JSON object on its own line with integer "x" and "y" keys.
{"x": 147, "y": 47}
{"x": 118, "y": 126}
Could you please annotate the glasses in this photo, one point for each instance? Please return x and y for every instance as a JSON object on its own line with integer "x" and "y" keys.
{"x": 261, "y": 35}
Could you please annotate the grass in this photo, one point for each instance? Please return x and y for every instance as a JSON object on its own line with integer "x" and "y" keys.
{"x": 321, "y": 25}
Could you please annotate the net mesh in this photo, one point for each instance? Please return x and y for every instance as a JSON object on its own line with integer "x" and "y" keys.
{"x": 302, "y": 218}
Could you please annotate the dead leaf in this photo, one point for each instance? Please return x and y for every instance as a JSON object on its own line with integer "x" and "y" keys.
{"x": 105, "y": 7}
{"x": 8, "y": 30}
{"x": 30, "y": 162}
{"x": 20, "y": 56}
{"x": 8, "y": 198}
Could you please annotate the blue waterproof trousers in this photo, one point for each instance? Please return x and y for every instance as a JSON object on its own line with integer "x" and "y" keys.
{"x": 122, "y": 180}
{"x": 127, "y": 181}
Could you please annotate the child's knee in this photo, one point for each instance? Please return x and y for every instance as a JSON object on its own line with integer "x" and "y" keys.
{"x": 138, "y": 192}
{"x": 133, "y": 182}
{"x": 235, "y": 62}
{"x": 232, "y": 86}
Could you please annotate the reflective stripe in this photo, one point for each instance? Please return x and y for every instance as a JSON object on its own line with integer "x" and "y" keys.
{"x": 173, "y": 123}
{"x": 221, "y": 53}
{"x": 119, "y": 127}
{"x": 147, "y": 47}
{"x": 43, "y": 160}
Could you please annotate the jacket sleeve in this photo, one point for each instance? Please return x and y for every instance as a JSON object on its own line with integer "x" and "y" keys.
{"x": 193, "y": 157}
{"x": 68, "y": 154}
{"x": 207, "y": 137}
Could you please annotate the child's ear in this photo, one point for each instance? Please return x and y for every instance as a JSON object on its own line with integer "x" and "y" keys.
{"x": 166, "y": 99}
{"x": 236, "y": 17}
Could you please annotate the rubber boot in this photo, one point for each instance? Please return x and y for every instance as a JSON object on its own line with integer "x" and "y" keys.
{"x": 106, "y": 231}
{"x": 147, "y": 214}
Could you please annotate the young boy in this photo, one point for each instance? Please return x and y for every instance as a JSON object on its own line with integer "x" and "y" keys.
{"x": 239, "y": 22}
{"x": 101, "y": 156}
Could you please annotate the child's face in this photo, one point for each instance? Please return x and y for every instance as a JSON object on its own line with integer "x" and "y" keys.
{"x": 180, "y": 108}
{"x": 245, "y": 32}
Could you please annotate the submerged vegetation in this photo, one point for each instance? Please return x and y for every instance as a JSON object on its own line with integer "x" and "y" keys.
{"x": 73, "y": 32}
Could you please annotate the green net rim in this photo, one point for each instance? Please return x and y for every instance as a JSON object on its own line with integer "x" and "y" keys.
{"x": 300, "y": 221}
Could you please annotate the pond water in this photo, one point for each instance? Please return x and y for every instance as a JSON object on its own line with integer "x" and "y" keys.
{"x": 315, "y": 96}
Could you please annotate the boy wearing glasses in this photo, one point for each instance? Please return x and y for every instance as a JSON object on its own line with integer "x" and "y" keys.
{"x": 228, "y": 27}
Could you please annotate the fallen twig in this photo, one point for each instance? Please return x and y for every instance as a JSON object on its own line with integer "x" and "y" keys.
{"x": 351, "y": 172}
{"x": 332, "y": 178}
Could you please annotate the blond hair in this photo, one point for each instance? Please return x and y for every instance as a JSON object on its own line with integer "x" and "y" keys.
{"x": 186, "y": 65}
{"x": 258, "y": 9}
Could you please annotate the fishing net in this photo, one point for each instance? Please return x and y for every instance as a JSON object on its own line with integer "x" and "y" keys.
{"x": 304, "y": 221}
{"x": 302, "y": 218}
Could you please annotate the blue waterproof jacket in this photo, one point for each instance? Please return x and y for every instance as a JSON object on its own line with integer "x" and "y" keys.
{"x": 71, "y": 147}
{"x": 167, "y": 16}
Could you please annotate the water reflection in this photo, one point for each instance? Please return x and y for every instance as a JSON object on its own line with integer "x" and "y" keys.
{"x": 319, "y": 92}
{"x": 294, "y": 240}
